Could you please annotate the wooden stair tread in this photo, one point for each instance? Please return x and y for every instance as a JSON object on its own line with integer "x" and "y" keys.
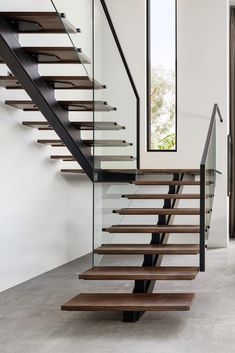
{"x": 52, "y": 142}
{"x": 158, "y": 211}
{"x": 157, "y": 171}
{"x": 57, "y": 55}
{"x": 58, "y": 82}
{"x": 153, "y": 229}
{"x": 71, "y": 171}
{"x": 162, "y": 196}
{"x": 80, "y": 125}
{"x": 130, "y": 302}
{"x": 79, "y": 172}
{"x": 166, "y": 182}
{"x": 103, "y": 125}
{"x": 140, "y": 273}
{"x": 97, "y": 143}
{"x": 39, "y": 22}
{"x": 77, "y": 106}
{"x": 143, "y": 172}
{"x": 107, "y": 143}
{"x": 70, "y": 158}
{"x": 146, "y": 249}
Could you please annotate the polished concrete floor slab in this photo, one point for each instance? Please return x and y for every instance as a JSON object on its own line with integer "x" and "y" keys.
{"x": 31, "y": 320}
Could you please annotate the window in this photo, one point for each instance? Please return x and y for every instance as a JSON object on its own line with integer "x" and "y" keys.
{"x": 162, "y": 75}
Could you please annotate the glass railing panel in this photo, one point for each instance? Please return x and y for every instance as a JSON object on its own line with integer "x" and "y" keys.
{"x": 115, "y": 134}
{"x": 79, "y": 15}
{"x": 208, "y": 173}
{"x": 120, "y": 151}
{"x": 113, "y": 119}
{"x": 107, "y": 199}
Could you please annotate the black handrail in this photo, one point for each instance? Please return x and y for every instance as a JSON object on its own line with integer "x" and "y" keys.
{"x": 120, "y": 50}
{"x": 216, "y": 111}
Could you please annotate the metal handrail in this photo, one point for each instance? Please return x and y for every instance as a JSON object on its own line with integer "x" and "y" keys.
{"x": 203, "y": 229}
{"x": 216, "y": 110}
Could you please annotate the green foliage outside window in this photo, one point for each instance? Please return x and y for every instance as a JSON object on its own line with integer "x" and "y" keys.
{"x": 163, "y": 135}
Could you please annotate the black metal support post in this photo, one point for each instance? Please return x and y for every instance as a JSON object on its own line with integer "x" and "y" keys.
{"x": 202, "y": 219}
{"x": 147, "y": 286}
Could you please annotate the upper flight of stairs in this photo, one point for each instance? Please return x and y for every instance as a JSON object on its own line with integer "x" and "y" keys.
{"x": 51, "y": 22}
{"x": 151, "y": 268}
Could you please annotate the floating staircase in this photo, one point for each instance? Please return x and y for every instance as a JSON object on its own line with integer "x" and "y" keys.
{"x": 155, "y": 193}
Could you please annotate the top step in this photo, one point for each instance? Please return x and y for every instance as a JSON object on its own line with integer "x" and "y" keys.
{"x": 39, "y": 22}
{"x": 156, "y": 171}
{"x": 144, "y": 171}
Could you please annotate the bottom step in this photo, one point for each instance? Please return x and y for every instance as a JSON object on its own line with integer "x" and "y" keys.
{"x": 130, "y": 302}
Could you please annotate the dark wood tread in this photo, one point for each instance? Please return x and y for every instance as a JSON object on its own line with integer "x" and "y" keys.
{"x": 72, "y": 171}
{"x": 70, "y": 158}
{"x": 76, "y": 106}
{"x": 157, "y": 171}
{"x": 39, "y": 22}
{"x": 107, "y": 143}
{"x": 52, "y": 142}
{"x": 97, "y": 143}
{"x": 153, "y": 229}
{"x": 140, "y": 273}
{"x": 162, "y": 196}
{"x": 78, "y": 171}
{"x": 166, "y": 182}
{"x": 57, "y": 82}
{"x": 80, "y": 125}
{"x": 130, "y": 302}
{"x": 102, "y": 125}
{"x": 57, "y": 55}
{"x": 146, "y": 249}
{"x": 143, "y": 172}
{"x": 158, "y": 211}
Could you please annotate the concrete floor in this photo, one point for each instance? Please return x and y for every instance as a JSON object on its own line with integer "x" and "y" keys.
{"x": 31, "y": 320}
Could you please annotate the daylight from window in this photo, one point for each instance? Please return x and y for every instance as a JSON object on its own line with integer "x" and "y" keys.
{"x": 163, "y": 75}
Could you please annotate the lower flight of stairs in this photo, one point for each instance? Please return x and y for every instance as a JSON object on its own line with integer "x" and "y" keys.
{"x": 133, "y": 305}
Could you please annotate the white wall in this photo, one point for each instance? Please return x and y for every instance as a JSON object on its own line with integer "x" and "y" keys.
{"x": 46, "y": 217}
{"x": 202, "y": 81}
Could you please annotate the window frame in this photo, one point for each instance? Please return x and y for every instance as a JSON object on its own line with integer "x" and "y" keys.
{"x": 149, "y": 80}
